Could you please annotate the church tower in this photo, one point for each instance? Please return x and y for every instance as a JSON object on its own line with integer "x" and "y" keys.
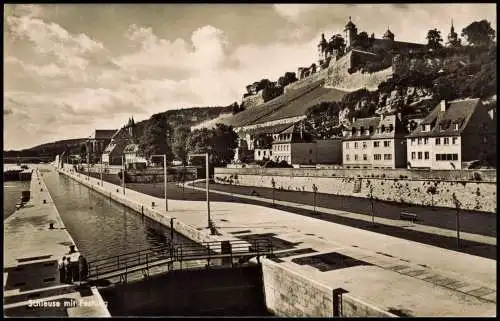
{"x": 453, "y": 40}
{"x": 388, "y": 35}
{"x": 351, "y": 33}
{"x": 131, "y": 126}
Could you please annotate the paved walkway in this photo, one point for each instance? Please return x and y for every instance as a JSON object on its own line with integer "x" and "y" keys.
{"x": 401, "y": 274}
{"x": 379, "y": 220}
{"x": 31, "y": 254}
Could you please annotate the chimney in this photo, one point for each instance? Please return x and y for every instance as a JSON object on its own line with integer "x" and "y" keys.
{"x": 442, "y": 105}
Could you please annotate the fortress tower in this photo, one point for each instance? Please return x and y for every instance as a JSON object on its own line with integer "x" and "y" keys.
{"x": 351, "y": 33}
{"x": 322, "y": 47}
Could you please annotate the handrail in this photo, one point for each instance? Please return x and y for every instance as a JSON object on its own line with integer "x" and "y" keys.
{"x": 181, "y": 252}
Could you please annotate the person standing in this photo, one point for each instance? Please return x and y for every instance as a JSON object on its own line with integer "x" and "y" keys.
{"x": 69, "y": 272}
{"x": 62, "y": 270}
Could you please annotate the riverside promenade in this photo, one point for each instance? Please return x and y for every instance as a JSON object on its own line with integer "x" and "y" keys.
{"x": 31, "y": 253}
{"x": 390, "y": 275}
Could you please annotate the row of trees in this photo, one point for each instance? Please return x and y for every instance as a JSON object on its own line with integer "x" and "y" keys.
{"x": 159, "y": 138}
{"x": 478, "y": 33}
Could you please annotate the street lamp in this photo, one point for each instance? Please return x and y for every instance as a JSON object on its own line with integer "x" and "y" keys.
{"x": 371, "y": 203}
{"x": 273, "y": 183}
{"x": 207, "y": 183}
{"x": 164, "y": 178}
{"x": 100, "y": 162}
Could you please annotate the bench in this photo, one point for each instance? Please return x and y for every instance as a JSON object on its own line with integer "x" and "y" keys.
{"x": 406, "y": 216}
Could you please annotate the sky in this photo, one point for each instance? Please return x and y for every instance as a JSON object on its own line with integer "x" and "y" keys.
{"x": 72, "y": 68}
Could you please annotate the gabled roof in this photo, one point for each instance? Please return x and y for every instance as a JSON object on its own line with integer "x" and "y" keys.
{"x": 392, "y": 125}
{"x": 443, "y": 122}
{"x": 268, "y": 129}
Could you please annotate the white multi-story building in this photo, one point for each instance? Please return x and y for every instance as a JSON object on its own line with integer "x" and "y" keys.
{"x": 375, "y": 142}
{"x": 454, "y": 132}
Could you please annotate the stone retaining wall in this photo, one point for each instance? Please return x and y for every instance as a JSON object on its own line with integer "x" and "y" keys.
{"x": 473, "y": 195}
{"x": 291, "y": 294}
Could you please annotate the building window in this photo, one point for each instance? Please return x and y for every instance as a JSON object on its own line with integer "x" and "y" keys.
{"x": 377, "y": 157}
{"x": 258, "y": 153}
{"x": 426, "y": 155}
{"x": 356, "y": 145}
{"x": 310, "y": 151}
{"x": 356, "y": 157}
{"x": 419, "y": 155}
{"x": 456, "y": 126}
{"x": 346, "y": 145}
{"x": 365, "y": 157}
{"x": 387, "y": 156}
{"x": 376, "y": 144}
{"x": 426, "y": 141}
{"x": 438, "y": 141}
{"x": 347, "y": 157}
{"x": 446, "y": 157}
{"x": 412, "y": 155}
{"x": 454, "y": 140}
{"x": 364, "y": 144}
{"x": 387, "y": 143}
{"x": 413, "y": 141}
{"x": 419, "y": 141}
{"x": 446, "y": 141}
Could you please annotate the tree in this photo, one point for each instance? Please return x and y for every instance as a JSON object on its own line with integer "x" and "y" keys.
{"x": 179, "y": 145}
{"x": 154, "y": 140}
{"x": 337, "y": 42}
{"x": 479, "y": 33}
{"x": 434, "y": 39}
{"x": 219, "y": 142}
{"x": 263, "y": 141}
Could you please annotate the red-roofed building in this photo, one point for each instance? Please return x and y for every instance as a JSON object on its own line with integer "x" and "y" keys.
{"x": 453, "y": 133}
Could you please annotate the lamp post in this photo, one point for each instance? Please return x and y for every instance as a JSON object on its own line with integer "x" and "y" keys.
{"x": 101, "y": 170}
{"x": 207, "y": 174}
{"x": 123, "y": 173}
{"x": 165, "y": 177}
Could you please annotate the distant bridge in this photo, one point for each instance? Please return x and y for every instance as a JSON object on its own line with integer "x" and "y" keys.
{"x": 28, "y": 158}
{"x": 143, "y": 260}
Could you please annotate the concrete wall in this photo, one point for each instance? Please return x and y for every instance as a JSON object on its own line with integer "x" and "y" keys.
{"x": 290, "y": 294}
{"x": 329, "y": 151}
{"x": 236, "y": 291}
{"x": 303, "y": 153}
{"x": 480, "y": 196}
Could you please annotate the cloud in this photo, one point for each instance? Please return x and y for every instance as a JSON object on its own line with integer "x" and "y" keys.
{"x": 293, "y": 12}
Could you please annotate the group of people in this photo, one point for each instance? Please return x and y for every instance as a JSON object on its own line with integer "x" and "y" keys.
{"x": 70, "y": 271}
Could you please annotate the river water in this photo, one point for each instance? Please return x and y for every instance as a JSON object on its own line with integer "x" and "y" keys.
{"x": 12, "y": 193}
{"x": 99, "y": 226}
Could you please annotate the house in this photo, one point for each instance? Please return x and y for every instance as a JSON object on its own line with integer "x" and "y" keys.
{"x": 113, "y": 154}
{"x": 453, "y": 133}
{"x": 296, "y": 147}
{"x": 97, "y": 142}
{"x": 262, "y": 154}
{"x": 375, "y": 142}
{"x": 131, "y": 155}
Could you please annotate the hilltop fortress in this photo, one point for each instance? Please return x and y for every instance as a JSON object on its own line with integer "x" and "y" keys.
{"x": 345, "y": 63}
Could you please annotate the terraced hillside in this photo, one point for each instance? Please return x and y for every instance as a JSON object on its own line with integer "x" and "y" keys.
{"x": 291, "y": 104}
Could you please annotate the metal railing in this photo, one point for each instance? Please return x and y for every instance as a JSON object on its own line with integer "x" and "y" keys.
{"x": 123, "y": 264}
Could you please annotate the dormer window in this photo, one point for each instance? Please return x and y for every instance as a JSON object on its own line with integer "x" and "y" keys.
{"x": 370, "y": 129}
{"x": 391, "y": 128}
{"x": 456, "y": 126}
{"x": 382, "y": 128}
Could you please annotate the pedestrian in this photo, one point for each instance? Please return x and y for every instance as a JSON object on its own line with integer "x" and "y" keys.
{"x": 62, "y": 270}
{"x": 69, "y": 272}
{"x": 82, "y": 268}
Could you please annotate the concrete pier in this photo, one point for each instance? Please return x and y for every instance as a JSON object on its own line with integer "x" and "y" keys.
{"x": 35, "y": 239}
{"x": 382, "y": 275}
